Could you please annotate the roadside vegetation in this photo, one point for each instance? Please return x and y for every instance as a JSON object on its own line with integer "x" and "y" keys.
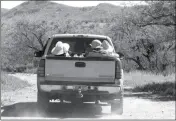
{"x": 10, "y": 83}
{"x": 141, "y": 78}
{"x": 150, "y": 82}
{"x": 163, "y": 89}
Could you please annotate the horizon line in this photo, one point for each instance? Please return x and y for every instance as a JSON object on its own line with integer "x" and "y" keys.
{"x": 104, "y": 2}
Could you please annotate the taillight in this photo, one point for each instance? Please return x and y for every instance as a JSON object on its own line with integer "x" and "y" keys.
{"x": 118, "y": 69}
{"x": 41, "y": 68}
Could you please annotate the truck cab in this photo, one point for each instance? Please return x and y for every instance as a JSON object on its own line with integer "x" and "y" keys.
{"x": 79, "y": 79}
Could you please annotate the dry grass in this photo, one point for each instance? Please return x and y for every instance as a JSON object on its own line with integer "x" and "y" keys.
{"x": 11, "y": 83}
{"x": 149, "y": 82}
{"x": 137, "y": 78}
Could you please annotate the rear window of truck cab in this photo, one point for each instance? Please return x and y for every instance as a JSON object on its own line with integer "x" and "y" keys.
{"x": 77, "y": 45}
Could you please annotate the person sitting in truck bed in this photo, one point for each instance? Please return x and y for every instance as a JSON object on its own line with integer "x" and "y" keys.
{"x": 66, "y": 48}
{"x": 99, "y": 49}
{"x": 61, "y": 49}
{"x": 108, "y": 49}
{"x": 96, "y": 49}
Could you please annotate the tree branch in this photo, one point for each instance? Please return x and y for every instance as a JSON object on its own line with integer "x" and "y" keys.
{"x": 39, "y": 39}
{"x": 32, "y": 47}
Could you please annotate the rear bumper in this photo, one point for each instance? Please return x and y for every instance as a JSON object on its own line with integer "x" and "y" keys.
{"x": 68, "y": 92}
{"x": 71, "y": 88}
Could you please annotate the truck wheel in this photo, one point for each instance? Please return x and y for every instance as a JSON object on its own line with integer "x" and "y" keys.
{"x": 42, "y": 101}
{"x": 117, "y": 107}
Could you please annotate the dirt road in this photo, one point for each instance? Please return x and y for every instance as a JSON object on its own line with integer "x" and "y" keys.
{"x": 22, "y": 103}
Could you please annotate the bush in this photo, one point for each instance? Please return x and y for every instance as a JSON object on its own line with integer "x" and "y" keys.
{"x": 165, "y": 88}
{"x": 20, "y": 68}
{"x": 8, "y": 69}
{"x": 29, "y": 66}
{"x": 31, "y": 71}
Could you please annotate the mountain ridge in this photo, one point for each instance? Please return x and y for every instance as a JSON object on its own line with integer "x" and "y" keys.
{"x": 47, "y": 8}
{"x": 4, "y": 10}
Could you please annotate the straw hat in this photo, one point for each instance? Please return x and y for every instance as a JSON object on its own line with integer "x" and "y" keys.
{"x": 96, "y": 44}
{"x": 58, "y": 49}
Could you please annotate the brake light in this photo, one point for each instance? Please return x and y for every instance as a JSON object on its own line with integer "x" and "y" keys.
{"x": 41, "y": 68}
{"x": 118, "y": 69}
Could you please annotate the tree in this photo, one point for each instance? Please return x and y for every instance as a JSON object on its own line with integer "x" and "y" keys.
{"x": 31, "y": 35}
{"x": 159, "y": 13}
{"x": 128, "y": 37}
{"x": 25, "y": 38}
{"x": 150, "y": 46}
{"x": 161, "y": 16}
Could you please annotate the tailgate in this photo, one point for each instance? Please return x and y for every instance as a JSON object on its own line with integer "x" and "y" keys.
{"x": 79, "y": 70}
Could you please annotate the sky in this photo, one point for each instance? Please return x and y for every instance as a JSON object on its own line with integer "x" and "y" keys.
{"x": 11, "y": 4}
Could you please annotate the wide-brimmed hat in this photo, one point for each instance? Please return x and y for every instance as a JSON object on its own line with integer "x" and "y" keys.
{"x": 58, "y": 49}
{"x": 96, "y": 44}
{"x": 66, "y": 47}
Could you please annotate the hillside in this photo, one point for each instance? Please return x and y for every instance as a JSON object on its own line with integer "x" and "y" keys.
{"x": 3, "y": 11}
{"x": 51, "y": 11}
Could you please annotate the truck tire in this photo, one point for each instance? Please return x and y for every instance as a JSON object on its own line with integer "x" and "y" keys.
{"x": 42, "y": 101}
{"x": 117, "y": 107}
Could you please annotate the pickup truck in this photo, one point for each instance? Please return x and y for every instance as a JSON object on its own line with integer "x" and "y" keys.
{"x": 79, "y": 80}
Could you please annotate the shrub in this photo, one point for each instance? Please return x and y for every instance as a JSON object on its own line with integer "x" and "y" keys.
{"x": 165, "y": 88}
{"x": 31, "y": 71}
{"x": 29, "y": 66}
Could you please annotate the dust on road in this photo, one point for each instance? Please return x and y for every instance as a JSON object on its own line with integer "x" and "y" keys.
{"x": 22, "y": 103}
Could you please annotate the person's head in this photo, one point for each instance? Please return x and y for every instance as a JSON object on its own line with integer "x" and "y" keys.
{"x": 66, "y": 47}
{"x": 96, "y": 44}
{"x": 58, "y": 50}
{"x": 107, "y": 46}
